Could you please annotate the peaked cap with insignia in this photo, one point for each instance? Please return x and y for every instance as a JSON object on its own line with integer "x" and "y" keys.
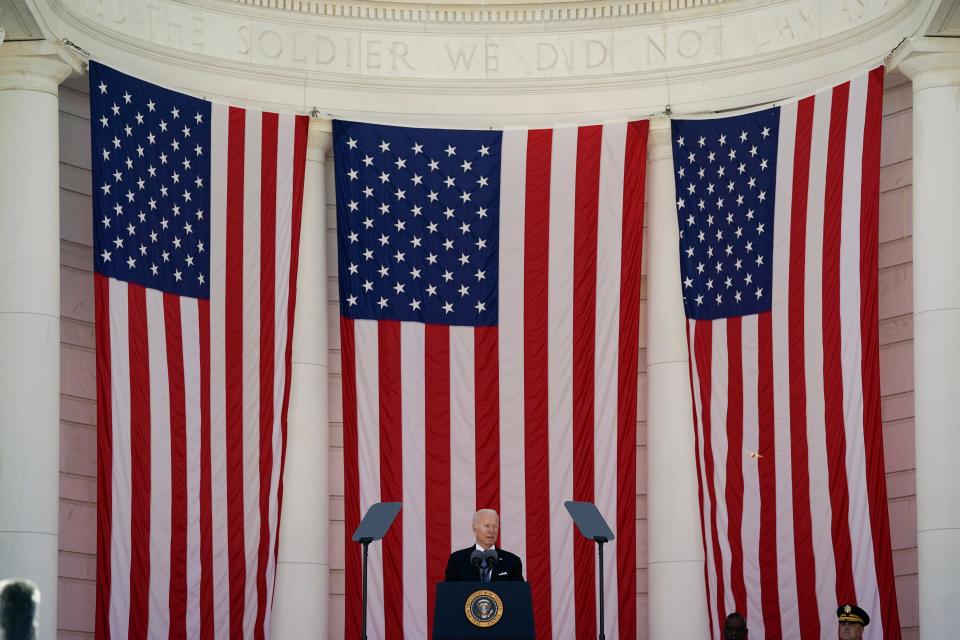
{"x": 852, "y": 613}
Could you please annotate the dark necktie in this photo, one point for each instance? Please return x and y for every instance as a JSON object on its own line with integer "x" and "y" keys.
{"x": 485, "y": 572}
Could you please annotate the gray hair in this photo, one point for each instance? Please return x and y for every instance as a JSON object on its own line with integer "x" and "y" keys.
{"x": 484, "y": 512}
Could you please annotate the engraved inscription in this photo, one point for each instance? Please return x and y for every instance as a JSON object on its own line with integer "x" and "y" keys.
{"x": 571, "y": 55}
{"x": 179, "y": 27}
{"x": 793, "y": 25}
{"x": 497, "y": 50}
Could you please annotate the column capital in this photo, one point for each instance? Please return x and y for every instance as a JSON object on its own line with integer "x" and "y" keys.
{"x": 928, "y": 62}
{"x": 36, "y": 65}
{"x": 319, "y": 139}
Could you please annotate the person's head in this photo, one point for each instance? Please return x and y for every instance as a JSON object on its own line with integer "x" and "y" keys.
{"x": 735, "y": 627}
{"x": 486, "y": 527}
{"x": 851, "y": 620}
{"x": 18, "y": 610}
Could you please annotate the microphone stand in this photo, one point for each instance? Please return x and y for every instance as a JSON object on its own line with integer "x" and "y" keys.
{"x": 600, "y": 540}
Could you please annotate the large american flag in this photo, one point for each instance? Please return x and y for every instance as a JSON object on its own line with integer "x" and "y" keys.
{"x": 778, "y": 213}
{"x": 489, "y": 299}
{"x": 196, "y": 233}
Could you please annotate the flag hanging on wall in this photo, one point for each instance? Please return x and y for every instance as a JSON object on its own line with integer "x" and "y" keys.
{"x": 489, "y": 300}
{"x": 196, "y": 233}
{"x": 778, "y": 213}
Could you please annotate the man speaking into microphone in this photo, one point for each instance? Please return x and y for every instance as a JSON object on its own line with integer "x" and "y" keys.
{"x": 483, "y": 562}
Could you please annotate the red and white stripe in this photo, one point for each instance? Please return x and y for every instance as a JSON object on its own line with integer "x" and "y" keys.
{"x": 804, "y": 526}
{"x": 192, "y": 398}
{"x": 519, "y": 417}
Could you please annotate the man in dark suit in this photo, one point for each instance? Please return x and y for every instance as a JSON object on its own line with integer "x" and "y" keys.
{"x": 486, "y": 528}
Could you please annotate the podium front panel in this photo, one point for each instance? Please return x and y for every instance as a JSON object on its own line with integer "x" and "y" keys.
{"x": 513, "y": 621}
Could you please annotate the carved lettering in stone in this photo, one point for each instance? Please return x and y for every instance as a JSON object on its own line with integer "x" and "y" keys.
{"x": 243, "y": 35}
{"x": 119, "y": 11}
{"x": 326, "y": 51}
{"x": 460, "y": 58}
{"x": 570, "y": 56}
{"x": 269, "y": 43}
{"x": 115, "y": 10}
{"x": 689, "y": 43}
{"x": 686, "y": 44}
{"x": 798, "y": 23}
{"x": 546, "y": 56}
{"x": 372, "y": 60}
{"x": 596, "y": 53}
{"x": 181, "y": 28}
{"x": 198, "y": 33}
{"x": 319, "y": 50}
{"x": 656, "y": 48}
{"x": 852, "y": 9}
{"x": 492, "y": 51}
{"x": 304, "y": 48}
{"x": 493, "y": 57}
{"x": 844, "y": 14}
{"x": 787, "y": 27}
{"x": 398, "y": 53}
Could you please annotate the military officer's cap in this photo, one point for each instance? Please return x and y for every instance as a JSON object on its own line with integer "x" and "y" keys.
{"x": 852, "y": 613}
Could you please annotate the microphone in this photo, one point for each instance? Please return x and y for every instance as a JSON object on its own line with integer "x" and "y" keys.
{"x": 490, "y": 557}
{"x": 476, "y": 558}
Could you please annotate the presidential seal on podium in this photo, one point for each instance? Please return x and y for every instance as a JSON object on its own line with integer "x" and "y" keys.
{"x": 483, "y": 608}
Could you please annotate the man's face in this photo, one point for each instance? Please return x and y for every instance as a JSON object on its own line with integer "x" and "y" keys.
{"x": 486, "y": 530}
{"x": 850, "y": 631}
{"x": 734, "y": 629}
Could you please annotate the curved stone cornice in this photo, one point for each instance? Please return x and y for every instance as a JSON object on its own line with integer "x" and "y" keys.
{"x": 472, "y": 12}
{"x": 556, "y": 62}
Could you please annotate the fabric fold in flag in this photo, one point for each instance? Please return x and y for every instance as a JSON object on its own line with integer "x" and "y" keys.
{"x": 196, "y": 211}
{"x": 778, "y": 214}
{"x": 489, "y": 322}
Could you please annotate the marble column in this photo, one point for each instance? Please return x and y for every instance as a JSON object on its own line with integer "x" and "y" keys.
{"x": 301, "y": 604}
{"x": 933, "y": 64}
{"x": 677, "y": 600}
{"x": 30, "y": 73}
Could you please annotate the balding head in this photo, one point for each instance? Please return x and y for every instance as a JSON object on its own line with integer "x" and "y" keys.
{"x": 486, "y": 527}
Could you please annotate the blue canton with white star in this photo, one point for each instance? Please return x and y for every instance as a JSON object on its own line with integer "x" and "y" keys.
{"x": 151, "y": 184}
{"x": 418, "y": 214}
{"x": 725, "y": 171}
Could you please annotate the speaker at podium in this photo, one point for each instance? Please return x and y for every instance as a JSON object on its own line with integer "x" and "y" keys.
{"x": 468, "y": 610}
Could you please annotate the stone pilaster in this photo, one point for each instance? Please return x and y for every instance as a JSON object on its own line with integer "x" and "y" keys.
{"x": 30, "y": 73}
{"x": 933, "y": 64}
{"x": 303, "y": 570}
{"x": 677, "y": 597}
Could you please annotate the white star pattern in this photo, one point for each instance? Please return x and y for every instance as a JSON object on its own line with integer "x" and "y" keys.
{"x": 728, "y": 234}
{"x": 426, "y": 199}
{"x": 137, "y": 150}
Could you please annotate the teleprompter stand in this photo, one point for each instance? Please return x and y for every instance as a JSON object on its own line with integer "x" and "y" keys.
{"x": 373, "y": 527}
{"x": 593, "y": 527}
